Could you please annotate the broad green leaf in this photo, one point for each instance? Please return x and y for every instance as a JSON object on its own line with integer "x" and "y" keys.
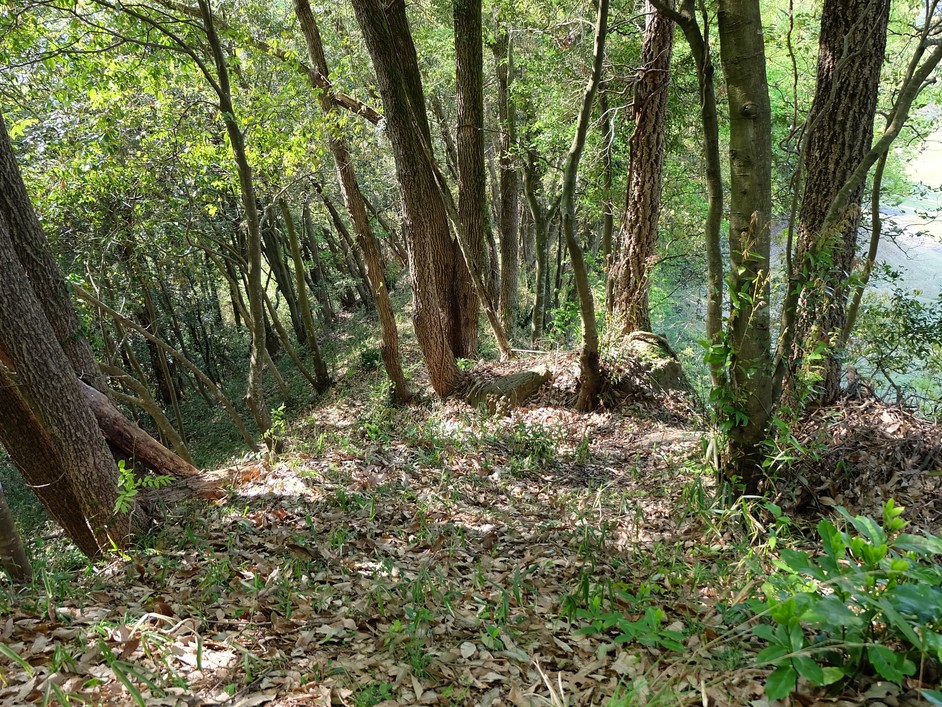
{"x": 771, "y": 654}
{"x": 808, "y": 669}
{"x": 888, "y": 664}
{"x": 781, "y": 682}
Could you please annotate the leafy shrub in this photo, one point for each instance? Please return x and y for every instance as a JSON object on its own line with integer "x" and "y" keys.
{"x": 871, "y": 602}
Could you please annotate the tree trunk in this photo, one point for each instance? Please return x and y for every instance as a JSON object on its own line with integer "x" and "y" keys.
{"x": 469, "y": 78}
{"x": 255, "y": 393}
{"x": 12, "y": 553}
{"x": 273, "y": 248}
{"x": 134, "y": 442}
{"x": 316, "y": 273}
{"x": 435, "y": 263}
{"x": 608, "y": 216}
{"x": 47, "y": 381}
{"x": 310, "y": 339}
{"x": 356, "y": 207}
{"x": 632, "y": 272}
{"x": 509, "y": 189}
{"x": 742, "y": 52}
{"x": 30, "y": 450}
{"x": 37, "y": 259}
{"x": 591, "y": 382}
{"x": 540, "y": 228}
{"x": 839, "y": 132}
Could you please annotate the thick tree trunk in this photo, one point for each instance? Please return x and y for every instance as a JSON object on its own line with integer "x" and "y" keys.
{"x": 440, "y": 297}
{"x": 632, "y": 272}
{"x": 591, "y": 381}
{"x": 30, "y": 449}
{"x": 839, "y": 132}
{"x": 12, "y": 553}
{"x": 742, "y": 52}
{"x": 47, "y": 381}
{"x": 33, "y": 252}
{"x": 509, "y": 188}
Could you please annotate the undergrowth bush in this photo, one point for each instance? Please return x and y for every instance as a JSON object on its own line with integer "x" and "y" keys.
{"x": 870, "y": 604}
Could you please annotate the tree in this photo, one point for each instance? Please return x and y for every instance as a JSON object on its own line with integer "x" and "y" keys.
{"x": 47, "y": 417}
{"x": 469, "y": 143}
{"x": 444, "y": 301}
{"x": 356, "y": 207}
{"x": 13, "y": 557}
{"x": 748, "y": 404}
{"x": 838, "y": 134}
{"x": 631, "y": 273}
{"x": 591, "y": 377}
{"x": 509, "y": 189}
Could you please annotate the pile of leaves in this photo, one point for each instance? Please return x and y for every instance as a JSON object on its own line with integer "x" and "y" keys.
{"x": 860, "y": 453}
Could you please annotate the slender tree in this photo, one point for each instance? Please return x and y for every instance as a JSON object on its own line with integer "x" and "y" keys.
{"x": 749, "y": 393}
{"x": 508, "y": 219}
{"x": 591, "y": 381}
{"x": 356, "y": 207}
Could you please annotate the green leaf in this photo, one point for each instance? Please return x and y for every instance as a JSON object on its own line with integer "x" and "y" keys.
{"x": 933, "y": 697}
{"x": 781, "y": 682}
{"x": 808, "y": 669}
{"x": 831, "y": 675}
{"x": 888, "y": 664}
{"x": 832, "y": 612}
{"x": 771, "y": 655}
{"x": 765, "y": 631}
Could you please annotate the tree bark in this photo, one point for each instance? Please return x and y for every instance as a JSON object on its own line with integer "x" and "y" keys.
{"x": 742, "y": 52}
{"x": 48, "y": 383}
{"x": 132, "y": 440}
{"x": 591, "y": 382}
{"x": 33, "y": 252}
{"x": 632, "y": 272}
{"x": 852, "y": 46}
{"x": 439, "y": 295}
{"x": 509, "y": 188}
{"x": 469, "y": 82}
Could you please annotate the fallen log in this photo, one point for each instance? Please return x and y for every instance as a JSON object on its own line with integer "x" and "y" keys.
{"x": 132, "y": 441}
{"x": 512, "y": 390}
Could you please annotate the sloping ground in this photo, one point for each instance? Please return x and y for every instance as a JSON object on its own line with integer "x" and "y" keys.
{"x": 425, "y": 555}
{"x": 417, "y": 556}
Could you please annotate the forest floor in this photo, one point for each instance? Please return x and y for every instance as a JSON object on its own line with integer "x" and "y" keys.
{"x": 436, "y": 554}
